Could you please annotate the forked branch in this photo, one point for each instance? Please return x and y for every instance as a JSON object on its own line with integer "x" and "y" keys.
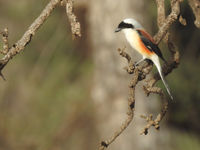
{"x": 10, "y": 52}
{"x": 139, "y": 73}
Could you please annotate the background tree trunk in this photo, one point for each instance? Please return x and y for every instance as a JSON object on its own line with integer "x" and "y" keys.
{"x": 110, "y": 89}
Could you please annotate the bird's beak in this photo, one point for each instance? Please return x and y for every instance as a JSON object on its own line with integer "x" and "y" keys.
{"x": 118, "y": 29}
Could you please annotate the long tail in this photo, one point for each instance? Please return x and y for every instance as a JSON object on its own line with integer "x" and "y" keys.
{"x": 157, "y": 64}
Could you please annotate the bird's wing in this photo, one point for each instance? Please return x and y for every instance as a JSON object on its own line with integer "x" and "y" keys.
{"x": 145, "y": 34}
{"x": 149, "y": 43}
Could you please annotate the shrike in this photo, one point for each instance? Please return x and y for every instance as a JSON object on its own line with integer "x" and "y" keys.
{"x": 143, "y": 43}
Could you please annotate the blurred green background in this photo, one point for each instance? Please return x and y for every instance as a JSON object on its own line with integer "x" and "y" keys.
{"x": 42, "y": 103}
{"x": 45, "y": 102}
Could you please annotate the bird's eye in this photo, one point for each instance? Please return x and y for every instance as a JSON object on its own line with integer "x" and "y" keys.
{"x": 121, "y": 25}
{"x": 124, "y": 25}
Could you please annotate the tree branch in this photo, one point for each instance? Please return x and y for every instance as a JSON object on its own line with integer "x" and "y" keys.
{"x": 75, "y": 25}
{"x": 167, "y": 68}
{"x": 131, "y": 108}
{"x": 140, "y": 72}
{"x": 20, "y": 45}
{"x": 171, "y": 18}
{"x": 195, "y": 5}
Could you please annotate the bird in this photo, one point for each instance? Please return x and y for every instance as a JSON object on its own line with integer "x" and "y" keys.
{"x": 142, "y": 42}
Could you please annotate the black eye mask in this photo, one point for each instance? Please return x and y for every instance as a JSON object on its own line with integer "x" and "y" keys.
{"x": 124, "y": 25}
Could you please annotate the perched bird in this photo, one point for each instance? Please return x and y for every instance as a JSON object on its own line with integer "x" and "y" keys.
{"x": 142, "y": 42}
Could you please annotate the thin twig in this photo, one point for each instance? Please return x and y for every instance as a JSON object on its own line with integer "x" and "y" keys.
{"x": 168, "y": 21}
{"x": 75, "y": 25}
{"x": 10, "y": 52}
{"x": 5, "y": 41}
{"x": 149, "y": 119}
{"x": 131, "y": 103}
{"x": 26, "y": 38}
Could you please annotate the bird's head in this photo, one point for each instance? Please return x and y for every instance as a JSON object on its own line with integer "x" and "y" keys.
{"x": 128, "y": 23}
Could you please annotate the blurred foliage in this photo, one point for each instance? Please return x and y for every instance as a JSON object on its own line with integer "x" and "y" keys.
{"x": 44, "y": 104}
{"x": 185, "y": 141}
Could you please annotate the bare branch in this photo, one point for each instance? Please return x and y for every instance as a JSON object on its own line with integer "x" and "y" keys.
{"x": 195, "y": 5}
{"x": 131, "y": 67}
{"x": 140, "y": 72}
{"x": 160, "y": 116}
{"x": 26, "y": 38}
{"x": 167, "y": 68}
{"x": 5, "y": 41}
{"x": 156, "y": 122}
{"x": 168, "y": 21}
{"x": 182, "y": 21}
{"x": 131, "y": 103}
{"x": 75, "y": 25}
{"x": 10, "y": 52}
{"x": 160, "y": 12}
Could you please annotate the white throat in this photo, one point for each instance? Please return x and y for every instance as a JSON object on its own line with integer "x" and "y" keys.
{"x": 132, "y": 37}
